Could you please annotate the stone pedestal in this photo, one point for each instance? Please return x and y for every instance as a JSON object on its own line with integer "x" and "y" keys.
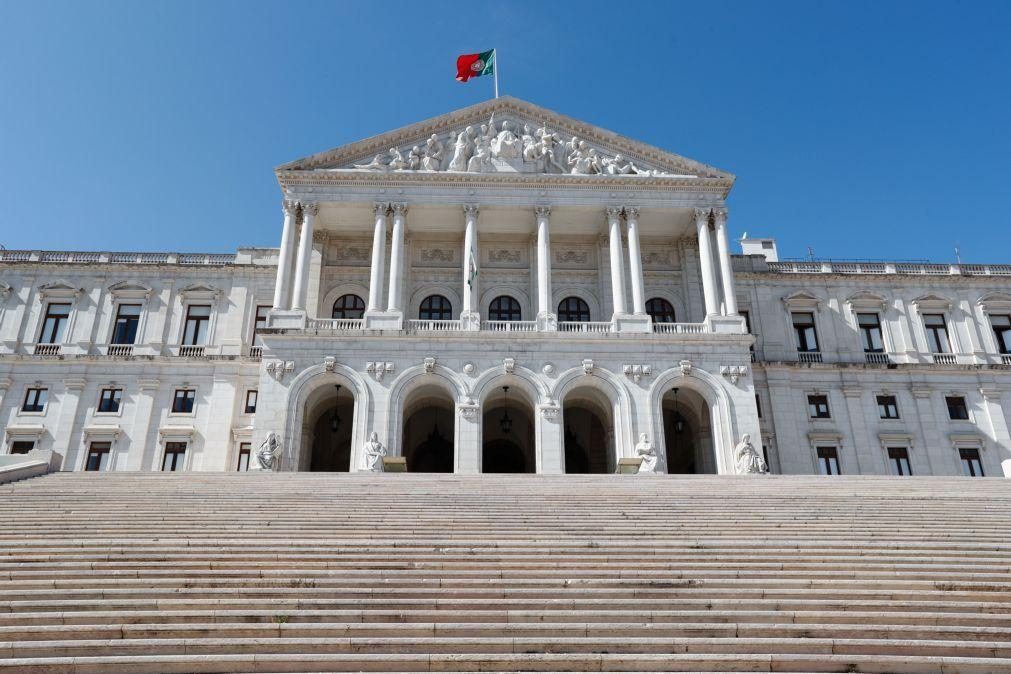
{"x": 726, "y": 325}
{"x": 383, "y": 320}
{"x": 633, "y": 323}
{"x": 470, "y": 320}
{"x": 287, "y": 318}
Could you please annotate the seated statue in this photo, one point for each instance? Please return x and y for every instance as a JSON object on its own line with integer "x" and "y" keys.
{"x": 747, "y": 460}
{"x": 414, "y": 159}
{"x": 506, "y": 145}
{"x": 432, "y": 161}
{"x": 649, "y": 456}
{"x": 372, "y": 459}
{"x": 269, "y": 453}
{"x": 397, "y": 162}
{"x": 462, "y": 150}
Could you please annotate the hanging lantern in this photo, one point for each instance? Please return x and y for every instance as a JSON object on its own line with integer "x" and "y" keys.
{"x": 506, "y": 422}
{"x": 679, "y": 421}
{"x": 335, "y": 420}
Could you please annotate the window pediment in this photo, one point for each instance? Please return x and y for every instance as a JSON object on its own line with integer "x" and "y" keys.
{"x": 932, "y": 301}
{"x": 102, "y": 432}
{"x": 199, "y": 291}
{"x": 895, "y": 440}
{"x": 866, "y": 300}
{"x": 130, "y": 290}
{"x": 996, "y": 302}
{"x": 60, "y": 289}
{"x": 802, "y": 300}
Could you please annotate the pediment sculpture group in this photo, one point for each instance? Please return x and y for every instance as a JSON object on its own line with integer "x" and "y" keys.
{"x": 524, "y": 150}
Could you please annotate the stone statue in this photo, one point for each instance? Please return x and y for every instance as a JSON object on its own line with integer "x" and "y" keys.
{"x": 546, "y": 150}
{"x": 269, "y": 453}
{"x": 377, "y": 164}
{"x": 482, "y": 152}
{"x": 618, "y": 166}
{"x": 414, "y": 159}
{"x": 747, "y": 460}
{"x": 432, "y": 160}
{"x": 397, "y": 162}
{"x": 372, "y": 460}
{"x": 581, "y": 161}
{"x": 462, "y": 150}
{"x": 506, "y": 145}
{"x": 531, "y": 147}
{"x": 649, "y": 456}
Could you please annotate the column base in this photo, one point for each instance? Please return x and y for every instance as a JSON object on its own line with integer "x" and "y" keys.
{"x": 287, "y": 318}
{"x": 383, "y": 320}
{"x": 470, "y": 320}
{"x": 547, "y": 322}
{"x": 726, "y": 325}
{"x": 632, "y": 322}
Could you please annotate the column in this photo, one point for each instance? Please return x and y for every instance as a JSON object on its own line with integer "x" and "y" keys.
{"x": 727, "y": 271}
{"x": 394, "y": 299}
{"x": 309, "y": 210}
{"x": 994, "y": 406}
{"x": 545, "y": 314}
{"x": 470, "y": 317}
{"x": 635, "y": 260}
{"x": 282, "y": 287}
{"x": 378, "y": 257}
{"x": 617, "y": 268}
{"x": 706, "y": 258}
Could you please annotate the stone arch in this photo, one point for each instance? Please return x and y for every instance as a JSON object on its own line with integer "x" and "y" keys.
{"x": 525, "y": 395}
{"x": 720, "y": 411}
{"x": 675, "y": 299}
{"x": 411, "y": 379}
{"x": 512, "y": 291}
{"x": 591, "y": 300}
{"x": 532, "y": 384}
{"x": 310, "y": 381}
{"x": 613, "y": 388}
{"x": 326, "y": 301}
{"x": 434, "y": 289}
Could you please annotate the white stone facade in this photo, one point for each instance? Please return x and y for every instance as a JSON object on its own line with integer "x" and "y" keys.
{"x": 503, "y": 300}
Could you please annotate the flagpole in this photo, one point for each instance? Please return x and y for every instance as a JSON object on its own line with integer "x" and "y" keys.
{"x": 495, "y": 72}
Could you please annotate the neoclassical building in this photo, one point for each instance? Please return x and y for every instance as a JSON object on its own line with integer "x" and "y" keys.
{"x": 504, "y": 289}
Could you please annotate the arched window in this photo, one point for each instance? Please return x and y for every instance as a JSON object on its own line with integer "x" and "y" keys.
{"x": 435, "y": 308}
{"x": 504, "y": 308}
{"x": 348, "y": 306}
{"x": 661, "y": 310}
{"x": 573, "y": 309}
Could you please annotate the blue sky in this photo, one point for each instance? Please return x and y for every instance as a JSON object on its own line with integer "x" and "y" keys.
{"x": 860, "y": 129}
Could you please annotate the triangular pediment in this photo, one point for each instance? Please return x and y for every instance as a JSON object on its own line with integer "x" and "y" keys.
{"x": 200, "y": 290}
{"x": 506, "y": 136}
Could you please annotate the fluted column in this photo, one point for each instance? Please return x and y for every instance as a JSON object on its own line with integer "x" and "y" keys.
{"x": 309, "y": 211}
{"x": 470, "y": 317}
{"x": 282, "y": 286}
{"x": 726, "y": 270}
{"x": 394, "y": 299}
{"x": 706, "y": 258}
{"x": 635, "y": 260}
{"x": 378, "y": 257}
{"x": 617, "y": 268}
{"x": 545, "y": 314}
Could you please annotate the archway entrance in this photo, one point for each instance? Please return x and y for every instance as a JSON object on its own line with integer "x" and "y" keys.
{"x": 687, "y": 429}
{"x": 589, "y": 432}
{"x": 429, "y": 429}
{"x": 329, "y": 416}
{"x": 507, "y": 433}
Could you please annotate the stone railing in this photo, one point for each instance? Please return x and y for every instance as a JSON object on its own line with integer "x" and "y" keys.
{"x": 1005, "y": 359}
{"x": 335, "y": 323}
{"x": 592, "y": 327}
{"x": 256, "y": 352}
{"x": 944, "y": 358}
{"x": 192, "y": 351}
{"x": 428, "y": 325}
{"x": 809, "y": 356}
{"x": 509, "y": 326}
{"x": 875, "y": 358}
{"x": 679, "y": 328}
{"x": 901, "y": 268}
{"x": 47, "y": 349}
{"x": 120, "y": 350}
{"x": 95, "y": 257}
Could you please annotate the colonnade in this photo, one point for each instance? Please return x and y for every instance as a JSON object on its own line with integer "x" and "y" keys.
{"x": 293, "y": 277}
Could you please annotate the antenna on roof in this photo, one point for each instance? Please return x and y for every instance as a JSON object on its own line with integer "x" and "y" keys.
{"x": 810, "y": 253}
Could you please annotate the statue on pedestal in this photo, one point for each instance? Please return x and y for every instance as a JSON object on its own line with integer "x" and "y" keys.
{"x": 372, "y": 459}
{"x": 747, "y": 460}
{"x": 648, "y": 454}
{"x": 269, "y": 453}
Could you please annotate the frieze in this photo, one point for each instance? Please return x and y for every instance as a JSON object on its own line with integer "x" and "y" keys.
{"x": 437, "y": 255}
{"x": 504, "y": 256}
{"x": 350, "y": 254}
{"x": 572, "y": 257}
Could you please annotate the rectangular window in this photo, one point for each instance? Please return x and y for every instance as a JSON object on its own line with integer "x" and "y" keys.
{"x": 1002, "y": 332}
{"x": 35, "y": 400}
{"x": 817, "y": 407}
{"x": 127, "y": 319}
{"x": 54, "y": 323}
{"x": 259, "y": 323}
{"x": 957, "y": 409}
{"x": 198, "y": 320}
{"x": 747, "y": 325}
{"x": 22, "y": 446}
{"x": 251, "y": 396}
{"x": 937, "y": 333}
{"x": 182, "y": 403}
{"x": 898, "y": 459}
{"x": 870, "y": 333}
{"x": 244, "y": 450}
{"x": 828, "y": 461}
{"x": 972, "y": 466}
{"x": 758, "y": 405}
{"x": 98, "y": 456}
{"x": 803, "y": 327}
{"x": 108, "y": 401}
{"x": 888, "y": 408}
{"x": 175, "y": 455}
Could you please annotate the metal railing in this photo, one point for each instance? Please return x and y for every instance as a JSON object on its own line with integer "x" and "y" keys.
{"x": 428, "y": 325}
{"x": 591, "y": 327}
{"x": 679, "y": 328}
{"x": 47, "y": 349}
{"x": 120, "y": 350}
{"x": 809, "y": 356}
{"x": 509, "y": 326}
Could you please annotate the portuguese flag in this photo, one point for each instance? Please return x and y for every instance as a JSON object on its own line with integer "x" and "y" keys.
{"x": 475, "y": 65}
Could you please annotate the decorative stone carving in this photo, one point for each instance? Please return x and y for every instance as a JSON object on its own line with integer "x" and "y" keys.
{"x": 734, "y": 372}
{"x": 329, "y": 363}
{"x": 550, "y": 411}
{"x": 656, "y": 258}
{"x": 289, "y": 207}
{"x": 469, "y": 410}
{"x": 350, "y": 254}
{"x": 504, "y": 256}
{"x": 542, "y": 212}
{"x": 310, "y": 208}
{"x": 372, "y": 456}
{"x": 378, "y": 369}
{"x": 588, "y": 366}
{"x": 279, "y": 368}
{"x": 399, "y": 209}
{"x": 468, "y": 369}
{"x": 548, "y": 369}
{"x": 269, "y": 453}
{"x": 637, "y": 372}
{"x": 436, "y": 255}
{"x": 432, "y": 160}
{"x": 747, "y": 460}
{"x": 429, "y": 364}
{"x": 644, "y": 449}
{"x": 509, "y": 364}
{"x": 572, "y": 257}
{"x": 506, "y": 145}
{"x": 686, "y": 367}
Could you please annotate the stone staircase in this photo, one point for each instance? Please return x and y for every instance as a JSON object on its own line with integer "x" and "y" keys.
{"x": 198, "y": 572}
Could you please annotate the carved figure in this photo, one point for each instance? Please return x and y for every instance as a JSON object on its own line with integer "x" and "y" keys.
{"x": 377, "y": 164}
{"x": 506, "y": 145}
{"x": 531, "y": 147}
{"x": 269, "y": 453}
{"x": 571, "y": 148}
{"x": 432, "y": 160}
{"x": 546, "y": 150}
{"x": 414, "y": 159}
{"x": 649, "y": 456}
{"x": 747, "y": 460}
{"x": 618, "y": 166}
{"x": 462, "y": 150}
{"x": 397, "y": 162}
{"x": 372, "y": 459}
{"x": 482, "y": 153}
{"x": 581, "y": 161}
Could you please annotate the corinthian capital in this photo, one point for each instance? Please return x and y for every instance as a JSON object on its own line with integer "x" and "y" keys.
{"x": 380, "y": 208}
{"x": 310, "y": 208}
{"x": 613, "y": 213}
{"x": 470, "y": 210}
{"x": 631, "y": 212}
{"x": 721, "y": 215}
{"x": 399, "y": 209}
{"x": 289, "y": 206}
{"x": 542, "y": 211}
{"x": 702, "y": 214}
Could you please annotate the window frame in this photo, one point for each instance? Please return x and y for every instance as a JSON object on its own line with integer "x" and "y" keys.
{"x": 667, "y": 309}
{"x": 359, "y": 310}
{"x": 116, "y": 399}
{"x": 192, "y": 398}
{"x": 968, "y": 470}
{"x": 172, "y": 448}
{"x": 813, "y": 406}
{"x": 198, "y": 322}
{"x": 427, "y": 311}
{"x": 896, "y": 457}
{"x": 37, "y": 409}
{"x": 931, "y": 333}
{"x": 801, "y": 341}
{"x": 255, "y": 393}
{"x": 244, "y": 454}
{"x": 581, "y": 308}
{"x": 1002, "y": 337}
{"x": 60, "y": 325}
{"x": 514, "y": 309}
{"x": 255, "y": 339}
{"x": 101, "y": 448}
{"x": 882, "y": 401}
{"x": 948, "y": 399}
{"x": 13, "y": 449}
{"x": 867, "y": 332}
{"x": 828, "y": 458}
{"x": 114, "y": 338}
